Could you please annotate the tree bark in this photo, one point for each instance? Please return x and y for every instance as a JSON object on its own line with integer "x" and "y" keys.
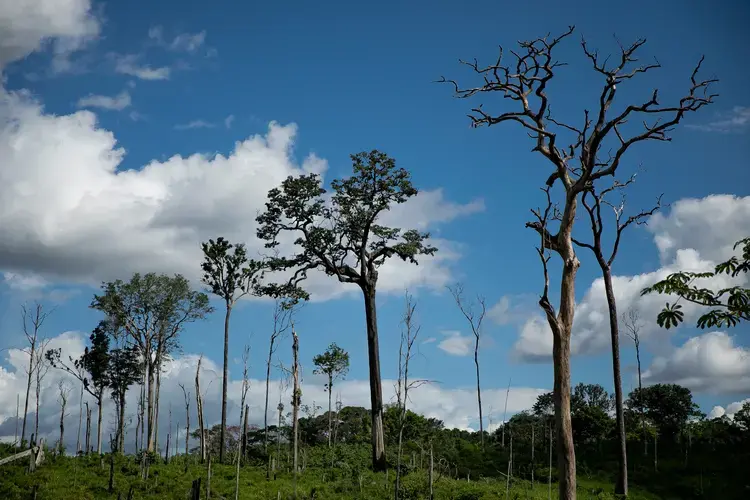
{"x": 562, "y": 326}
{"x": 150, "y": 404}
{"x": 32, "y": 351}
{"x": 199, "y": 408}
{"x": 121, "y": 425}
{"x": 61, "y": 446}
{"x": 621, "y": 484}
{"x": 157, "y": 388}
{"x": 479, "y": 392}
{"x": 224, "y": 382}
{"x": 99, "y": 424}
{"x": 330, "y": 419}
{"x": 88, "y": 428}
{"x": 244, "y": 434}
{"x": 38, "y": 390}
{"x": 379, "y": 463}
{"x": 268, "y": 383}
{"x": 640, "y": 388}
{"x": 296, "y": 399}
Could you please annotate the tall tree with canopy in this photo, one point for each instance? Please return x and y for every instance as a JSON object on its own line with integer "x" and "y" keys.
{"x": 229, "y": 274}
{"x": 124, "y": 370}
{"x": 578, "y": 165}
{"x": 152, "y": 311}
{"x": 343, "y": 239}
{"x": 333, "y": 363}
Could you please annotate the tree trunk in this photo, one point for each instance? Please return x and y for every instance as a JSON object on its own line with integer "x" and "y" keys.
{"x": 38, "y": 390}
{"x": 379, "y": 463}
{"x": 199, "y": 409}
{"x": 244, "y": 434}
{"x": 80, "y": 420}
{"x": 561, "y": 327}
{"x": 330, "y": 415}
{"x": 157, "y": 388}
{"x": 225, "y": 381}
{"x": 99, "y": 423}
{"x": 18, "y": 405}
{"x": 296, "y": 397}
{"x": 61, "y": 446}
{"x": 640, "y": 388}
{"x": 88, "y": 428}
{"x": 187, "y": 429}
{"x": 121, "y": 425}
{"x": 533, "y": 465}
{"x": 32, "y": 351}
{"x": 621, "y": 483}
{"x": 268, "y": 383}
{"x": 150, "y": 404}
{"x": 479, "y": 392}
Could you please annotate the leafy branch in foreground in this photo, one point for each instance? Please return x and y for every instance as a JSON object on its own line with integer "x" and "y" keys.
{"x": 728, "y": 306}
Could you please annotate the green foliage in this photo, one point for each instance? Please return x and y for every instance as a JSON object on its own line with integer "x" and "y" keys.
{"x": 342, "y": 238}
{"x": 742, "y": 417}
{"x": 669, "y": 406}
{"x": 727, "y": 306}
{"x": 124, "y": 370}
{"x": 333, "y": 363}
{"x": 228, "y": 272}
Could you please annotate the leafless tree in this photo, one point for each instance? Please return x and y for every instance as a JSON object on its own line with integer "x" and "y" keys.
{"x": 63, "y": 392}
{"x": 41, "y": 368}
{"x": 88, "y": 428}
{"x": 32, "y": 320}
{"x": 592, "y": 202}
{"x": 296, "y": 401}
{"x": 474, "y": 318}
{"x": 199, "y": 408}
{"x": 409, "y": 333}
{"x": 243, "y": 392}
{"x": 632, "y": 321}
{"x": 505, "y": 412}
{"x": 186, "y": 393}
{"x": 282, "y": 317}
{"x": 577, "y": 166}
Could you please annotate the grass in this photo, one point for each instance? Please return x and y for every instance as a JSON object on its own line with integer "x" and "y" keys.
{"x": 65, "y": 478}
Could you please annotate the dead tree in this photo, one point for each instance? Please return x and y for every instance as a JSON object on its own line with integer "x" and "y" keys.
{"x": 32, "y": 321}
{"x": 474, "y": 318}
{"x": 199, "y": 408}
{"x": 409, "y": 334}
{"x": 505, "y": 412}
{"x": 632, "y": 321}
{"x": 187, "y": 418}
{"x": 41, "y": 368}
{"x": 592, "y": 201}
{"x": 63, "y": 392}
{"x": 88, "y": 428}
{"x": 282, "y": 316}
{"x": 296, "y": 401}
{"x": 243, "y": 414}
{"x": 577, "y": 166}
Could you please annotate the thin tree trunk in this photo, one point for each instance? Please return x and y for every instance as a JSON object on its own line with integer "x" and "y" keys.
{"x": 121, "y": 426}
{"x": 38, "y": 390}
{"x": 533, "y": 465}
{"x": 549, "y": 470}
{"x": 199, "y": 408}
{"x": 224, "y": 382}
{"x": 187, "y": 427}
{"x": 330, "y": 415}
{"x": 18, "y": 413}
{"x": 157, "y": 396}
{"x": 100, "y": 404}
{"x": 32, "y": 352}
{"x": 379, "y": 463}
{"x": 621, "y": 484}
{"x": 640, "y": 389}
{"x": 268, "y": 383}
{"x": 432, "y": 468}
{"x": 150, "y": 404}
{"x": 61, "y": 446}
{"x": 295, "y": 406}
{"x": 244, "y": 434}
{"x": 88, "y": 428}
{"x": 479, "y": 391}
{"x": 80, "y": 420}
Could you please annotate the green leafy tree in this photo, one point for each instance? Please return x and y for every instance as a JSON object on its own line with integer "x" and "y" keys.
{"x": 152, "y": 310}
{"x": 667, "y": 406}
{"x": 742, "y": 417}
{"x": 727, "y": 306}
{"x": 229, "y": 274}
{"x": 343, "y": 239}
{"x": 334, "y": 364}
{"x": 124, "y": 370}
{"x": 591, "y": 395}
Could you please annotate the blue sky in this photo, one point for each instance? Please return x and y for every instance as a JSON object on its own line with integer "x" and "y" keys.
{"x": 352, "y": 77}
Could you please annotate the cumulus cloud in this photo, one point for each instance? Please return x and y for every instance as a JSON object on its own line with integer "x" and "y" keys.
{"x": 128, "y": 65}
{"x": 729, "y": 411}
{"x": 85, "y": 221}
{"x": 116, "y": 103}
{"x": 455, "y": 406}
{"x": 456, "y": 344}
{"x": 695, "y": 235}
{"x": 25, "y": 26}
{"x": 711, "y": 362}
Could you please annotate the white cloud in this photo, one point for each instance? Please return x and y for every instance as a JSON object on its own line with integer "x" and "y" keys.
{"x": 733, "y": 121}
{"x": 694, "y": 236}
{"x": 128, "y": 65}
{"x": 188, "y": 42}
{"x": 85, "y": 221}
{"x": 228, "y": 121}
{"x": 508, "y": 310}
{"x": 24, "y": 282}
{"x": 707, "y": 363}
{"x": 455, "y": 406}
{"x": 457, "y": 344}
{"x": 194, "y": 124}
{"x": 729, "y": 411}
{"x": 25, "y": 26}
{"x": 117, "y": 103}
